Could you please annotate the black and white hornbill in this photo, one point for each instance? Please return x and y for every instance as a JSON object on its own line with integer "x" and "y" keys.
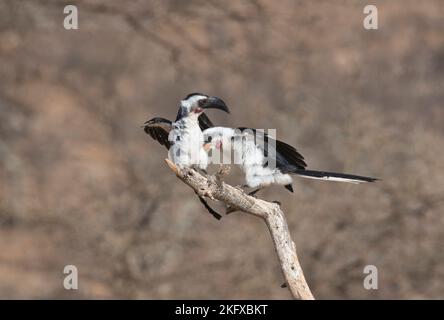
{"x": 187, "y": 136}
{"x": 253, "y": 150}
{"x": 184, "y": 138}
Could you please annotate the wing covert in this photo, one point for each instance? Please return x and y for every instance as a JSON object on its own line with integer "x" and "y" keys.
{"x": 285, "y": 153}
{"x": 159, "y": 129}
{"x": 204, "y": 122}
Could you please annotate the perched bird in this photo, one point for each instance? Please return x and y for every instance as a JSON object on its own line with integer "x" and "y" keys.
{"x": 187, "y": 136}
{"x": 265, "y": 160}
{"x": 184, "y": 138}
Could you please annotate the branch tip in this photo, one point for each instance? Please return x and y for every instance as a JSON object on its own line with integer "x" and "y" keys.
{"x": 173, "y": 167}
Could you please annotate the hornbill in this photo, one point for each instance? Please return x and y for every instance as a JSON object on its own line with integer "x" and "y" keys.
{"x": 253, "y": 150}
{"x": 184, "y": 138}
{"x": 187, "y": 136}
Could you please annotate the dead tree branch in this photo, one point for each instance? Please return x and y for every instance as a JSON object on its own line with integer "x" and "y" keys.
{"x": 214, "y": 188}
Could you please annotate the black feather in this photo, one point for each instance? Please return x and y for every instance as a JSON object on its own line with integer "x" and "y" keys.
{"x": 204, "y": 122}
{"x": 210, "y": 210}
{"x": 326, "y": 174}
{"x": 159, "y": 129}
{"x": 195, "y": 94}
{"x": 285, "y": 154}
{"x": 182, "y": 112}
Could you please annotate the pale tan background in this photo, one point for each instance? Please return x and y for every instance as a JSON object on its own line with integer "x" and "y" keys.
{"x": 80, "y": 183}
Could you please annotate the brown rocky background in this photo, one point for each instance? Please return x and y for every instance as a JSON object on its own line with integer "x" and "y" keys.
{"x": 80, "y": 183}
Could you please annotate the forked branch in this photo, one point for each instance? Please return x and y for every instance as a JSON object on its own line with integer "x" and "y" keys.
{"x": 214, "y": 188}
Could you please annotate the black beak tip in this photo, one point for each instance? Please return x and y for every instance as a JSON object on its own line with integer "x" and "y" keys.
{"x": 146, "y": 123}
{"x": 217, "y": 103}
{"x": 225, "y": 107}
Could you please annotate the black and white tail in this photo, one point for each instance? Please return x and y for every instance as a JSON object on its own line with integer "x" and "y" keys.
{"x": 332, "y": 176}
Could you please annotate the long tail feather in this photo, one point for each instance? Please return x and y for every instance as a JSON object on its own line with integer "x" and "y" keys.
{"x": 332, "y": 176}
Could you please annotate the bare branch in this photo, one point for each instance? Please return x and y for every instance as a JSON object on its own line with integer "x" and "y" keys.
{"x": 214, "y": 188}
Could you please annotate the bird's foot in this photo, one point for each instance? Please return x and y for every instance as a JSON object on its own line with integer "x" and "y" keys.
{"x": 222, "y": 172}
{"x": 224, "y": 169}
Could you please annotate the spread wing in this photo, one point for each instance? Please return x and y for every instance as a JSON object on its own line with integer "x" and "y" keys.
{"x": 285, "y": 154}
{"x": 159, "y": 129}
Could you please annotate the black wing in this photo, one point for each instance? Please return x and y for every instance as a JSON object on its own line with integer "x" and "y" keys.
{"x": 159, "y": 129}
{"x": 285, "y": 154}
{"x": 204, "y": 122}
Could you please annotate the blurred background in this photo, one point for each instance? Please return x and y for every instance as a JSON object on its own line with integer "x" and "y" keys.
{"x": 81, "y": 183}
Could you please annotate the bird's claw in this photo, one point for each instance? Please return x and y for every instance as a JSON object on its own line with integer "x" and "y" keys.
{"x": 222, "y": 172}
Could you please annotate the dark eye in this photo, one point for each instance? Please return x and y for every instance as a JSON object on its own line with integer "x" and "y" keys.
{"x": 209, "y": 138}
{"x": 202, "y": 102}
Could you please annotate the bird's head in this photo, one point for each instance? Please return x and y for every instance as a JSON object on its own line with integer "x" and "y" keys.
{"x": 196, "y": 103}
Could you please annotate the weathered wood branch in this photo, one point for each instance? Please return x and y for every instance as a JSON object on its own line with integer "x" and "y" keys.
{"x": 214, "y": 188}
